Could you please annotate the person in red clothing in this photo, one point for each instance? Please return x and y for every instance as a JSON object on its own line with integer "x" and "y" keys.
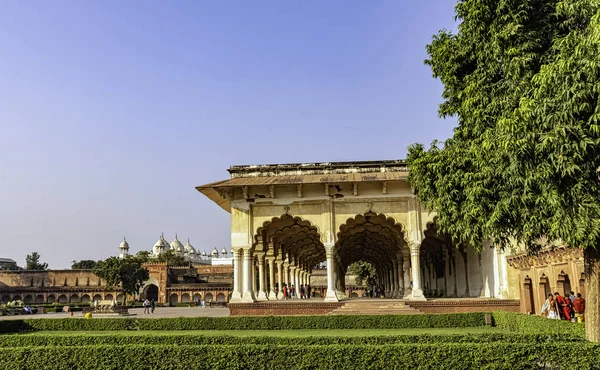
{"x": 579, "y": 308}
{"x": 563, "y": 306}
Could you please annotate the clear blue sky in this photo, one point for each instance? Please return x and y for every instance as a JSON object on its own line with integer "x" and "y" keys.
{"x": 112, "y": 112}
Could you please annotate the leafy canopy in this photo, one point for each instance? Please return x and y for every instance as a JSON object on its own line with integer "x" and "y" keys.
{"x": 523, "y": 79}
{"x": 127, "y": 273}
{"x": 83, "y": 265}
{"x": 365, "y": 273}
{"x": 172, "y": 259}
{"x": 32, "y": 262}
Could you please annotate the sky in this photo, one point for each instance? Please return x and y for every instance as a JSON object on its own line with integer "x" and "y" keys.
{"x": 111, "y": 112}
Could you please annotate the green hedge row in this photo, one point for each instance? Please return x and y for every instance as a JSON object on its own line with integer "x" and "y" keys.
{"x": 250, "y": 323}
{"x": 399, "y": 356}
{"x": 196, "y": 339}
{"x": 530, "y": 324}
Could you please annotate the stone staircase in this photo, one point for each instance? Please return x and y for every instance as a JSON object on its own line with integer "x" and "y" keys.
{"x": 375, "y": 306}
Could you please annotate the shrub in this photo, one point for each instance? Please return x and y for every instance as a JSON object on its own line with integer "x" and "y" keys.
{"x": 529, "y": 324}
{"x": 197, "y": 339}
{"x": 256, "y": 323}
{"x": 250, "y": 356}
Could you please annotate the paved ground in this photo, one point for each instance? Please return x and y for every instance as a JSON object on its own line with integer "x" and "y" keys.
{"x": 160, "y": 312}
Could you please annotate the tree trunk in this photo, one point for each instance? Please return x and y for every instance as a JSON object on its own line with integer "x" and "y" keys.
{"x": 592, "y": 290}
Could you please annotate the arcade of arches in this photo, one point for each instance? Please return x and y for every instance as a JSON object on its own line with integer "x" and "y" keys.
{"x": 288, "y": 219}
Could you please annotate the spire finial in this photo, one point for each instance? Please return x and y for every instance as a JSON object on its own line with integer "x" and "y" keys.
{"x": 176, "y": 236}
{"x": 124, "y": 239}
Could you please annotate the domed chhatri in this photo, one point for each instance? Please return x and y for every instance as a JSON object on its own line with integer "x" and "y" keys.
{"x": 123, "y": 249}
{"x": 189, "y": 249}
{"x": 176, "y": 246}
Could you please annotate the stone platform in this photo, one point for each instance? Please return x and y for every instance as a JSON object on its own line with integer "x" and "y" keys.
{"x": 372, "y": 306}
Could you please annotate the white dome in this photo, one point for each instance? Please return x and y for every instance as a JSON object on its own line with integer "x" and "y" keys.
{"x": 224, "y": 252}
{"x": 124, "y": 244}
{"x": 189, "y": 249}
{"x": 159, "y": 246}
{"x": 176, "y": 245}
{"x": 215, "y": 252}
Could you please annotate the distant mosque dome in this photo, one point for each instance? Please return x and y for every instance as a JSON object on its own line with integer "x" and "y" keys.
{"x": 189, "y": 249}
{"x": 177, "y": 246}
{"x": 159, "y": 246}
{"x": 224, "y": 252}
{"x": 124, "y": 244}
{"x": 215, "y": 253}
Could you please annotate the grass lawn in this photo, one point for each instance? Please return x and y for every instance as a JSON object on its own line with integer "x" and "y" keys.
{"x": 282, "y": 333}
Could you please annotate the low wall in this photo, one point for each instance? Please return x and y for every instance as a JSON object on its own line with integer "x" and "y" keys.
{"x": 466, "y": 305}
{"x": 279, "y": 309}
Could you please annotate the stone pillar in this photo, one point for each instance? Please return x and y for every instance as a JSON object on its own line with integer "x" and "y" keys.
{"x": 293, "y": 278}
{"x": 262, "y": 292}
{"x": 417, "y": 290}
{"x": 280, "y": 278}
{"x": 272, "y": 294}
{"x": 502, "y": 274}
{"x": 330, "y": 296}
{"x": 400, "y": 275}
{"x": 248, "y": 295}
{"x": 395, "y": 279}
{"x": 406, "y": 270}
{"x": 236, "y": 294}
{"x": 286, "y": 274}
{"x": 253, "y": 266}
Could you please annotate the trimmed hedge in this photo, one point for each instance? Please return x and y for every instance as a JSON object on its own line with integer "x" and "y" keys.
{"x": 399, "y": 356}
{"x": 529, "y": 324}
{"x": 457, "y": 320}
{"x": 198, "y": 339}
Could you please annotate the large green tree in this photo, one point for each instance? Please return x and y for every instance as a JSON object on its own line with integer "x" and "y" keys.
{"x": 523, "y": 79}
{"x": 32, "y": 262}
{"x": 172, "y": 259}
{"x": 364, "y": 272}
{"x": 127, "y": 273}
{"x": 83, "y": 265}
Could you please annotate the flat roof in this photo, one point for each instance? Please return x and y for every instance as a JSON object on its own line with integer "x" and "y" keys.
{"x": 317, "y": 168}
{"x": 305, "y": 173}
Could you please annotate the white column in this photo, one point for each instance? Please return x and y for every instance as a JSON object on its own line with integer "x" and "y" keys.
{"x": 253, "y": 266}
{"x": 272, "y": 294}
{"x": 236, "y": 294}
{"x": 400, "y": 275}
{"x": 293, "y": 278}
{"x": 262, "y": 292}
{"x": 248, "y": 295}
{"x": 330, "y": 296}
{"x": 406, "y": 268}
{"x": 502, "y": 274}
{"x": 280, "y": 278}
{"x": 394, "y": 279}
{"x": 417, "y": 291}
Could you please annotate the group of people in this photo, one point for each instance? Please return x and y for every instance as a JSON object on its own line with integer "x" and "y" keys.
{"x": 569, "y": 307}
{"x": 149, "y": 306}
{"x": 305, "y": 292}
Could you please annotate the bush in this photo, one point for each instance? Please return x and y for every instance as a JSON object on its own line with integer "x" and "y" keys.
{"x": 456, "y": 320}
{"x": 529, "y": 324}
{"x": 250, "y": 356}
{"x": 197, "y": 339}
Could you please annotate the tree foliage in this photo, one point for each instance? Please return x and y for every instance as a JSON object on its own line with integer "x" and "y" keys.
{"x": 143, "y": 256}
{"x": 127, "y": 273}
{"x": 172, "y": 259}
{"x": 32, "y": 262}
{"x": 83, "y": 265}
{"x": 523, "y": 79}
{"x": 365, "y": 273}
